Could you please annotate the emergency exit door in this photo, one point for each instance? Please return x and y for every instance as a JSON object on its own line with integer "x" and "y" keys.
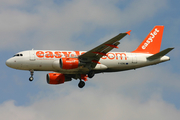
{"x": 32, "y": 55}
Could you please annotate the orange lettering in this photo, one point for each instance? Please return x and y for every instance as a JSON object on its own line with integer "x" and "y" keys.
{"x": 77, "y": 53}
{"x": 109, "y": 56}
{"x": 104, "y": 57}
{"x": 66, "y": 54}
{"x": 40, "y": 54}
{"x": 57, "y": 54}
{"x": 49, "y": 54}
{"x": 121, "y": 54}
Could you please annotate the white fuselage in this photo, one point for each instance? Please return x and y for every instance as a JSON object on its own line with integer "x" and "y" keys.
{"x": 48, "y": 60}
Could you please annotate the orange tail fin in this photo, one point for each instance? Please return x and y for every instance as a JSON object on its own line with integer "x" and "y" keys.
{"x": 152, "y": 42}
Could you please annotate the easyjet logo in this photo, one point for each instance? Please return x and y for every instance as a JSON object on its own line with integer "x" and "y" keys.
{"x": 116, "y": 56}
{"x": 57, "y": 54}
{"x": 63, "y": 54}
{"x": 150, "y": 39}
{"x": 71, "y": 61}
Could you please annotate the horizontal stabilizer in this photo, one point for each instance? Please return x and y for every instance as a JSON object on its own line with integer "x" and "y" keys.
{"x": 160, "y": 54}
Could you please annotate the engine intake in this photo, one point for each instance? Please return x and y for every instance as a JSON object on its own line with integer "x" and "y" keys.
{"x": 69, "y": 63}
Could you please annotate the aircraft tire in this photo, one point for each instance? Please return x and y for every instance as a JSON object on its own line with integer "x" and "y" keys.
{"x": 81, "y": 84}
{"x": 31, "y": 79}
{"x": 91, "y": 74}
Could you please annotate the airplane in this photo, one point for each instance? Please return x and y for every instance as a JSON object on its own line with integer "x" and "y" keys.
{"x": 68, "y": 65}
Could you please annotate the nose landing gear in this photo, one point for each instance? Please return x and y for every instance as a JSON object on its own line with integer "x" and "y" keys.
{"x": 32, "y": 73}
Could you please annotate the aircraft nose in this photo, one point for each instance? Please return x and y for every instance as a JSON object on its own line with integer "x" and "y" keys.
{"x": 8, "y": 63}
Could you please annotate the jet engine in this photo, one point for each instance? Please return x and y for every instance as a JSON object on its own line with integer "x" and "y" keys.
{"x": 69, "y": 63}
{"x": 56, "y": 78}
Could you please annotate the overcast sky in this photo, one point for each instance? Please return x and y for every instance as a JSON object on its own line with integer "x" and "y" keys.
{"x": 149, "y": 93}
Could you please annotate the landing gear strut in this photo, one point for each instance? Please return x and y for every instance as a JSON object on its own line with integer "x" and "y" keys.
{"x": 81, "y": 84}
{"x": 32, "y": 73}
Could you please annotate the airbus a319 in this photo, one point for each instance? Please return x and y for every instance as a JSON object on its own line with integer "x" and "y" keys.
{"x": 68, "y": 65}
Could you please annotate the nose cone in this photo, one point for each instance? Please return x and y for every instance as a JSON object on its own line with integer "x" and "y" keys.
{"x": 9, "y": 62}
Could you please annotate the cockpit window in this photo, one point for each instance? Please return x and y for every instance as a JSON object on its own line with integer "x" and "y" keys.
{"x": 18, "y": 55}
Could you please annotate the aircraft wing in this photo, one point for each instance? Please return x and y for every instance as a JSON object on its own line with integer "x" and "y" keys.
{"x": 96, "y": 53}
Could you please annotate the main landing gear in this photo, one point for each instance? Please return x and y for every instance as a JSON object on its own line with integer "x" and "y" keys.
{"x": 32, "y": 73}
{"x": 91, "y": 74}
{"x": 81, "y": 84}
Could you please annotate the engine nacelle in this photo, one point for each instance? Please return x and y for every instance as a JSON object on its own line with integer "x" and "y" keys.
{"x": 69, "y": 63}
{"x": 56, "y": 78}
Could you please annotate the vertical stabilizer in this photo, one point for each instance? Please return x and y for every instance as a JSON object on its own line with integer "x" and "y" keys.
{"x": 152, "y": 42}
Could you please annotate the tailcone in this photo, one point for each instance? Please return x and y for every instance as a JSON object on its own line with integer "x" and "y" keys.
{"x": 165, "y": 58}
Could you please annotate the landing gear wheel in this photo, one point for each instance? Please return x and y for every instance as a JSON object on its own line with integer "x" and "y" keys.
{"x": 31, "y": 73}
{"x": 31, "y": 79}
{"x": 81, "y": 84}
{"x": 91, "y": 74}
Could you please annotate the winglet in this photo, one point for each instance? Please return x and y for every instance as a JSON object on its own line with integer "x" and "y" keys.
{"x": 128, "y": 32}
